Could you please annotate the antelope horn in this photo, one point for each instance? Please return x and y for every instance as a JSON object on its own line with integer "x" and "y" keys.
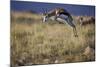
{"x": 43, "y": 10}
{"x": 46, "y": 11}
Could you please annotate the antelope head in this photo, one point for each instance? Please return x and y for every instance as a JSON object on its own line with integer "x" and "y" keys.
{"x": 45, "y": 16}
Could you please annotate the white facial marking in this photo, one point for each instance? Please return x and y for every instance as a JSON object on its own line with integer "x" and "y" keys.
{"x": 44, "y": 18}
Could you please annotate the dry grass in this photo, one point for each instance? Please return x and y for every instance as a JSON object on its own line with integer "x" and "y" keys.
{"x": 46, "y": 43}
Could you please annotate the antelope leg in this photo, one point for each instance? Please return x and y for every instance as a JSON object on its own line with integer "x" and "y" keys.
{"x": 75, "y": 32}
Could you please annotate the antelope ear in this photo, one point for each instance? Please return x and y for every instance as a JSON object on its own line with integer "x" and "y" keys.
{"x": 42, "y": 14}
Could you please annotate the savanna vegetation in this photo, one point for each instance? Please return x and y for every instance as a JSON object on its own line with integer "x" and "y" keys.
{"x": 34, "y": 42}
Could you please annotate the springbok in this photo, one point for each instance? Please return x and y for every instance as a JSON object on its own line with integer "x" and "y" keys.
{"x": 56, "y": 13}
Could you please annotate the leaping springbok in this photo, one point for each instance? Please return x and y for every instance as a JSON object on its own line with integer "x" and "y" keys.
{"x": 56, "y": 14}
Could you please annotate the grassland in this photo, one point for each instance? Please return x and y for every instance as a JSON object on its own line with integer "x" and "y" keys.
{"x": 34, "y": 42}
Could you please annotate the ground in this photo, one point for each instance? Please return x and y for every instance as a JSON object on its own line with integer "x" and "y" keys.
{"x": 34, "y": 42}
